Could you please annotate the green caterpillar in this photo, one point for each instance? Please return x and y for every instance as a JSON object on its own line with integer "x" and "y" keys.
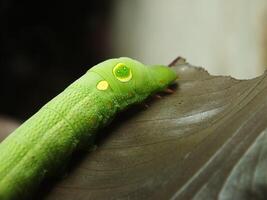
{"x": 45, "y": 141}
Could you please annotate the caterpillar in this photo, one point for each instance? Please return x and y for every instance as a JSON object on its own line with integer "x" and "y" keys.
{"x": 68, "y": 122}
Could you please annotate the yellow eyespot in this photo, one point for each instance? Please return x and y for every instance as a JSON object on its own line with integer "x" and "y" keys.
{"x": 102, "y": 85}
{"x": 122, "y": 72}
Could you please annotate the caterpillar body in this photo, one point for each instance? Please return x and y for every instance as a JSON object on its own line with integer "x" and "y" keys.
{"x": 69, "y": 121}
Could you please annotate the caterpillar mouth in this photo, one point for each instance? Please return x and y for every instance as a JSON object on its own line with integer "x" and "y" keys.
{"x": 163, "y": 76}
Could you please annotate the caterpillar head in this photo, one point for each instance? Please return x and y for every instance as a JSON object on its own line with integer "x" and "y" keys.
{"x": 131, "y": 79}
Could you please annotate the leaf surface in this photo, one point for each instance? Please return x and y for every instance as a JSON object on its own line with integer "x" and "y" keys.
{"x": 207, "y": 140}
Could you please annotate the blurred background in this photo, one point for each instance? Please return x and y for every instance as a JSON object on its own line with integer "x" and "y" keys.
{"x": 47, "y": 45}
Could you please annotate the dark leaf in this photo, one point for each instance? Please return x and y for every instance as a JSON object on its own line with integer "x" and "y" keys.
{"x": 207, "y": 140}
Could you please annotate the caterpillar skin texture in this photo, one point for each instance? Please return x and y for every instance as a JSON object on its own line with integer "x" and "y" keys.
{"x": 45, "y": 141}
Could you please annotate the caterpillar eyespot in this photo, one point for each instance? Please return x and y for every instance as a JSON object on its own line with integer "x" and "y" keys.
{"x": 102, "y": 85}
{"x": 70, "y": 121}
{"x": 122, "y": 72}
